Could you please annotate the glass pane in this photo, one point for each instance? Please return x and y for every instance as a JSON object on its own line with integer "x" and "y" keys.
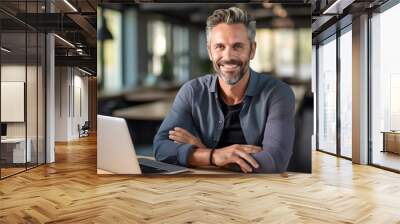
{"x": 181, "y": 53}
{"x": 112, "y": 53}
{"x": 327, "y": 97}
{"x": 13, "y": 87}
{"x": 284, "y": 54}
{"x": 31, "y": 97}
{"x": 385, "y": 84}
{"x": 41, "y": 99}
{"x": 159, "y": 63}
{"x": 262, "y": 61}
{"x": 305, "y": 49}
{"x": 345, "y": 94}
{"x": 277, "y": 49}
{"x": 31, "y": 88}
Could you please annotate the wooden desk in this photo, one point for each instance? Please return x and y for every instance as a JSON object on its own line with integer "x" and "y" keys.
{"x": 156, "y": 111}
{"x": 17, "y": 149}
{"x": 150, "y": 95}
{"x": 198, "y": 171}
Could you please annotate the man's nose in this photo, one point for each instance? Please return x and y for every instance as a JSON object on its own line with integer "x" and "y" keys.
{"x": 228, "y": 53}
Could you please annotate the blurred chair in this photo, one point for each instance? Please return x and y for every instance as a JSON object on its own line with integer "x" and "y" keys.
{"x": 84, "y": 130}
{"x": 301, "y": 160}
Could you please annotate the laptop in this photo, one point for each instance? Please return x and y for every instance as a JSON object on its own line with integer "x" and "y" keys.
{"x": 116, "y": 153}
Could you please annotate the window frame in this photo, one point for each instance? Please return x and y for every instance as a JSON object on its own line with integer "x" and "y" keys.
{"x": 346, "y": 25}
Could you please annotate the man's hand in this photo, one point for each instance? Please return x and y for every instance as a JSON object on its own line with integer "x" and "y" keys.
{"x": 239, "y": 154}
{"x": 180, "y": 135}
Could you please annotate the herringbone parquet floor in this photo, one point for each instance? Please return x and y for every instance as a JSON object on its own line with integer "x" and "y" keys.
{"x": 69, "y": 191}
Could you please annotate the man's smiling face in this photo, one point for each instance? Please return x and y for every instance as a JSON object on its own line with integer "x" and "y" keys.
{"x": 230, "y": 51}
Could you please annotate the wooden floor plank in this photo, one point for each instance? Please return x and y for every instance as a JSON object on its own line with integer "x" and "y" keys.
{"x": 70, "y": 191}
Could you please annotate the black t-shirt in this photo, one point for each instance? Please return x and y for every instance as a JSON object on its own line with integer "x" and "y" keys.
{"x": 232, "y": 132}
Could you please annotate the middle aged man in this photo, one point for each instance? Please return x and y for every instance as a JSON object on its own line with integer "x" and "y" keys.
{"x": 236, "y": 118}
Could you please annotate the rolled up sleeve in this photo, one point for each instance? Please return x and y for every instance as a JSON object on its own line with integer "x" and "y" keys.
{"x": 279, "y": 133}
{"x": 166, "y": 150}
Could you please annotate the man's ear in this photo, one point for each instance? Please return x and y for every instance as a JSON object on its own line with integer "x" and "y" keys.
{"x": 209, "y": 51}
{"x": 253, "y": 50}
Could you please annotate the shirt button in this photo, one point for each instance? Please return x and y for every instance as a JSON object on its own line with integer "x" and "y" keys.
{"x": 220, "y": 122}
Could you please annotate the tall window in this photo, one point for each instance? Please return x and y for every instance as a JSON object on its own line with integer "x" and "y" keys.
{"x": 283, "y": 52}
{"x": 262, "y": 61}
{"x": 180, "y": 45}
{"x": 304, "y": 51}
{"x": 284, "y": 57}
{"x": 327, "y": 96}
{"x": 346, "y": 93}
{"x": 22, "y": 78}
{"x": 159, "y": 63}
{"x": 112, "y": 52}
{"x": 385, "y": 88}
{"x": 168, "y": 50}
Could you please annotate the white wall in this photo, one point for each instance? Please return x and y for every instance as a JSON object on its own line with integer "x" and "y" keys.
{"x": 71, "y": 94}
{"x": 61, "y": 103}
{"x": 12, "y": 73}
{"x": 33, "y": 126}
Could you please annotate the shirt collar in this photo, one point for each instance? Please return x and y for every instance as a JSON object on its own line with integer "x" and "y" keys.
{"x": 251, "y": 89}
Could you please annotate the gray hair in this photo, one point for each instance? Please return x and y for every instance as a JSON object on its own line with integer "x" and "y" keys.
{"x": 233, "y": 15}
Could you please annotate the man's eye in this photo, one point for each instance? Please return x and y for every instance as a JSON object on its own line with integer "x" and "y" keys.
{"x": 218, "y": 47}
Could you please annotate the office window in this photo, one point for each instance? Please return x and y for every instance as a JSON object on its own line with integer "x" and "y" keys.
{"x": 262, "y": 61}
{"x": 385, "y": 88}
{"x": 327, "y": 96}
{"x": 202, "y": 45}
{"x": 283, "y": 52}
{"x": 13, "y": 86}
{"x": 22, "y": 94}
{"x": 112, "y": 53}
{"x": 131, "y": 51}
{"x": 346, "y": 94}
{"x": 168, "y": 53}
{"x": 304, "y": 50}
{"x": 157, "y": 46}
{"x": 180, "y": 38}
{"x": 159, "y": 63}
{"x": 204, "y": 64}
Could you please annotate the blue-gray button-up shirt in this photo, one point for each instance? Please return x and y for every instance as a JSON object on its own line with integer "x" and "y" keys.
{"x": 266, "y": 118}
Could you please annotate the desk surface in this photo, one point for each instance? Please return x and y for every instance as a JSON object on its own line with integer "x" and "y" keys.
{"x": 156, "y": 111}
{"x": 390, "y": 132}
{"x": 206, "y": 170}
{"x": 150, "y": 95}
{"x": 14, "y": 140}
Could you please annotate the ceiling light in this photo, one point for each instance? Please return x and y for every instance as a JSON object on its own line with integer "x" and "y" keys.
{"x": 5, "y": 50}
{"x": 84, "y": 71}
{"x": 337, "y": 7}
{"x": 70, "y": 5}
{"x": 64, "y": 40}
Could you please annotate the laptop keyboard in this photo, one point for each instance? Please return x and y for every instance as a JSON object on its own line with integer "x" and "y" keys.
{"x": 149, "y": 169}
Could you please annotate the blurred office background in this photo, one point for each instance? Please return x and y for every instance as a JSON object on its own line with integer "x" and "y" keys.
{"x": 147, "y": 51}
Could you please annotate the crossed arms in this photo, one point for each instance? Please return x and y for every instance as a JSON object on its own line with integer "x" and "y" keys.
{"x": 178, "y": 141}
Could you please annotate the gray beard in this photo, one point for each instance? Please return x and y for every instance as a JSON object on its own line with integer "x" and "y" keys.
{"x": 234, "y": 80}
